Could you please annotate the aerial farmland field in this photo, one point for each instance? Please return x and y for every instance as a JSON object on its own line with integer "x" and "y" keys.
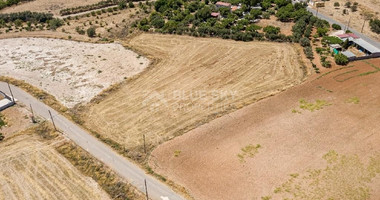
{"x": 193, "y": 81}
{"x": 314, "y": 141}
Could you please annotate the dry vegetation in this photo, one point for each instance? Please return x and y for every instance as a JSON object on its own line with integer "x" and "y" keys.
{"x": 338, "y": 111}
{"x": 31, "y": 168}
{"x": 357, "y": 18}
{"x": 51, "y": 6}
{"x": 195, "y": 81}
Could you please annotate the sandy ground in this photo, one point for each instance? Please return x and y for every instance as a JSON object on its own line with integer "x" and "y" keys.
{"x": 71, "y": 71}
{"x": 221, "y": 160}
{"x": 357, "y": 18}
{"x": 195, "y": 81}
{"x": 17, "y": 119}
{"x": 286, "y": 27}
{"x": 51, "y": 6}
{"x": 32, "y": 169}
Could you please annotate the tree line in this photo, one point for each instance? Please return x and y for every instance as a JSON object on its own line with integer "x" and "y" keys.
{"x": 7, "y": 3}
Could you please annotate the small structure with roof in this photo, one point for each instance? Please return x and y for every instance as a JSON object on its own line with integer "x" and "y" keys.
{"x": 351, "y": 56}
{"x": 6, "y": 101}
{"x": 221, "y": 4}
{"x": 215, "y": 14}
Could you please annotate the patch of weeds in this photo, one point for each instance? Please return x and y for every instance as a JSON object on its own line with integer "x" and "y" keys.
{"x": 177, "y": 153}
{"x": 266, "y": 198}
{"x": 248, "y": 151}
{"x": 344, "y": 177}
{"x": 354, "y": 100}
{"x": 2, "y": 121}
{"x": 296, "y": 111}
{"x": 324, "y": 89}
{"x": 318, "y": 105}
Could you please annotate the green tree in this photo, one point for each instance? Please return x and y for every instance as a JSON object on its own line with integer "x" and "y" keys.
{"x": 285, "y": 13}
{"x": 375, "y": 25}
{"x": 305, "y": 42}
{"x": 341, "y": 59}
{"x": 55, "y": 23}
{"x": 91, "y": 32}
{"x": 272, "y": 30}
{"x": 336, "y": 4}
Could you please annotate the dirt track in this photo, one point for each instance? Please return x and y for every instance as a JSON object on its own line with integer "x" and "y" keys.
{"x": 195, "y": 81}
{"x": 206, "y": 162}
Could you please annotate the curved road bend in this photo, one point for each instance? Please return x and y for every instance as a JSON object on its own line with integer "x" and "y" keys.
{"x": 132, "y": 173}
{"x": 332, "y": 21}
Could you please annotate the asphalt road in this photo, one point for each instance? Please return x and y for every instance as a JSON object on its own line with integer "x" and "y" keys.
{"x": 332, "y": 21}
{"x": 132, "y": 173}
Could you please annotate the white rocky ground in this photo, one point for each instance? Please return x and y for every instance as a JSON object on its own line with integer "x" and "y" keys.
{"x": 74, "y": 72}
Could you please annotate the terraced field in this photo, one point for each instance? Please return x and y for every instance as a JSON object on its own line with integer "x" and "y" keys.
{"x": 194, "y": 81}
{"x": 32, "y": 169}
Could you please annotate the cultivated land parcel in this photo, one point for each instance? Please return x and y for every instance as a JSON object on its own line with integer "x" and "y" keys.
{"x": 332, "y": 152}
{"x": 165, "y": 100}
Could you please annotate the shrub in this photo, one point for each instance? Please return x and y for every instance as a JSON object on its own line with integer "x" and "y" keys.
{"x": 336, "y": 4}
{"x": 375, "y": 25}
{"x": 309, "y": 52}
{"x": 55, "y": 23}
{"x": 131, "y": 5}
{"x": 322, "y": 31}
{"x": 336, "y": 27}
{"x": 91, "y": 32}
{"x": 305, "y": 42}
{"x": 1, "y": 137}
{"x": 341, "y": 59}
{"x": 354, "y": 8}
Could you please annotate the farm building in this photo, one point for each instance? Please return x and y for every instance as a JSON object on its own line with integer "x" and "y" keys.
{"x": 317, "y": 3}
{"x": 5, "y": 101}
{"x": 360, "y": 49}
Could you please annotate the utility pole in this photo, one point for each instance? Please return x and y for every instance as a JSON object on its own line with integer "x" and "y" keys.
{"x": 348, "y": 25}
{"x": 33, "y": 119}
{"x": 51, "y": 116}
{"x": 362, "y": 27}
{"x": 13, "y": 98}
{"x": 146, "y": 190}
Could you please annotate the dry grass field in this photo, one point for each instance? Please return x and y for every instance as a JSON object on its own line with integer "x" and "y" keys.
{"x": 50, "y": 6}
{"x": 73, "y": 72}
{"x": 194, "y": 81}
{"x": 32, "y": 169}
{"x": 317, "y": 140}
{"x": 357, "y": 18}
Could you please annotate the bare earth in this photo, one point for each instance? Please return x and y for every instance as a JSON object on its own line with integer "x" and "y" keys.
{"x": 195, "y": 81}
{"x": 32, "y": 169}
{"x": 74, "y": 72}
{"x": 250, "y": 153}
{"x": 17, "y": 119}
{"x": 357, "y": 18}
{"x": 51, "y": 6}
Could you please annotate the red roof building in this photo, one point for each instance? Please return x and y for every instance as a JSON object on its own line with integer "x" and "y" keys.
{"x": 215, "y": 14}
{"x": 222, "y": 4}
{"x": 348, "y": 35}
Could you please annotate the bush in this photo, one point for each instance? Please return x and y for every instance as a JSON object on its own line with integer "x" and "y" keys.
{"x": 336, "y": 4}
{"x": 375, "y": 25}
{"x": 336, "y": 27}
{"x": 1, "y": 137}
{"x": 55, "y": 23}
{"x": 91, "y": 32}
{"x": 305, "y": 42}
{"x": 309, "y": 52}
{"x": 341, "y": 59}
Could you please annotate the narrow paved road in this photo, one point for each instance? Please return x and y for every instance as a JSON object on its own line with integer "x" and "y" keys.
{"x": 128, "y": 170}
{"x": 332, "y": 21}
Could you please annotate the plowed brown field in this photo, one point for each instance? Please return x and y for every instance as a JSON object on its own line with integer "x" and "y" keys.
{"x": 274, "y": 148}
{"x": 195, "y": 81}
